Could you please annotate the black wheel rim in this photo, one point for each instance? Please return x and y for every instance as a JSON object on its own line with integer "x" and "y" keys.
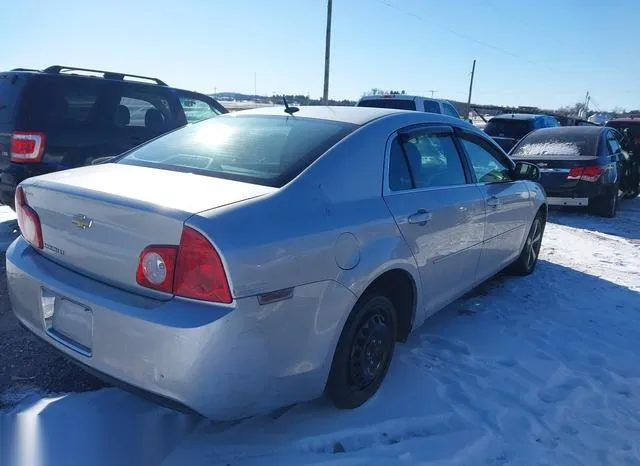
{"x": 370, "y": 350}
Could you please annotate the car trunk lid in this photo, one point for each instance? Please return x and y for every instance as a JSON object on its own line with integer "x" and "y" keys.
{"x": 97, "y": 220}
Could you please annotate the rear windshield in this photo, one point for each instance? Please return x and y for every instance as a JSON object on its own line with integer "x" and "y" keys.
{"x": 508, "y": 128}
{"x": 399, "y": 104}
{"x": 561, "y": 144}
{"x": 265, "y": 150}
{"x": 10, "y": 85}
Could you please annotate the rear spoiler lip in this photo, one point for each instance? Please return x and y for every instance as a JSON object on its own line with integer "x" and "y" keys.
{"x": 555, "y": 158}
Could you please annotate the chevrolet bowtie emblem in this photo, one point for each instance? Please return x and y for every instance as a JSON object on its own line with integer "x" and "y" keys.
{"x": 82, "y": 221}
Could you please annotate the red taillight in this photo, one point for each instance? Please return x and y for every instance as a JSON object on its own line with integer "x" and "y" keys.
{"x": 27, "y": 147}
{"x": 199, "y": 270}
{"x": 192, "y": 270}
{"x": 28, "y": 220}
{"x": 591, "y": 173}
{"x": 156, "y": 268}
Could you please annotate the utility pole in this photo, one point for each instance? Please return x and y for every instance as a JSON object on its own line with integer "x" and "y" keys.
{"x": 433, "y": 91}
{"x": 473, "y": 70}
{"x": 255, "y": 83}
{"x": 327, "y": 52}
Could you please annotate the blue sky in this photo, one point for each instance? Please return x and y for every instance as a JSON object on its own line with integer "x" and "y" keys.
{"x": 545, "y": 53}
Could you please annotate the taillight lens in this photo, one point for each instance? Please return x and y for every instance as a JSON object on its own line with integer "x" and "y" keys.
{"x": 199, "y": 270}
{"x": 27, "y": 147}
{"x": 193, "y": 270}
{"x": 590, "y": 174}
{"x": 28, "y": 220}
{"x": 156, "y": 268}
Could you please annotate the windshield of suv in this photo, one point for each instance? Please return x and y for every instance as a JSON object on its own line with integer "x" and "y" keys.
{"x": 265, "y": 150}
{"x": 508, "y": 128}
{"x": 400, "y": 104}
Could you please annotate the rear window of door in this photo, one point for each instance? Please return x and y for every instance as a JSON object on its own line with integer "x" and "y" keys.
{"x": 612, "y": 143}
{"x": 487, "y": 164}
{"x": 425, "y": 160}
{"x": 431, "y": 106}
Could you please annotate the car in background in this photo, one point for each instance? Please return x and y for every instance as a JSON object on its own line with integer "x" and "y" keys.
{"x": 409, "y": 102}
{"x": 630, "y": 128}
{"x": 255, "y": 260}
{"x": 583, "y": 166}
{"x": 64, "y": 117}
{"x": 508, "y": 129}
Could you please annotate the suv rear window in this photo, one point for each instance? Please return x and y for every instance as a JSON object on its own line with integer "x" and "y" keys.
{"x": 265, "y": 150}
{"x": 508, "y": 128}
{"x": 10, "y": 85}
{"x": 560, "y": 144}
{"x": 399, "y": 104}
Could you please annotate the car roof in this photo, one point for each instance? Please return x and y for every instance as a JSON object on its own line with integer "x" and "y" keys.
{"x": 518, "y": 116}
{"x": 402, "y": 97}
{"x": 354, "y": 115}
{"x": 625, "y": 120}
{"x": 578, "y": 131}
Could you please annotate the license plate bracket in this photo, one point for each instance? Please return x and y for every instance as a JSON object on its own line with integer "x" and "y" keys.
{"x": 68, "y": 322}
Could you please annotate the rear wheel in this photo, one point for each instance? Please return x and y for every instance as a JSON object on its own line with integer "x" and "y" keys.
{"x": 607, "y": 205}
{"x": 526, "y": 262}
{"x": 364, "y": 352}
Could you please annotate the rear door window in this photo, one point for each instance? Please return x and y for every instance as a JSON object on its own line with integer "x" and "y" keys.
{"x": 612, "y": 143}
{"x": 431, "y": 106}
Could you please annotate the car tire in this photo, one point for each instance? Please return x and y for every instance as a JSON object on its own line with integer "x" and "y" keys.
{"x": 525, "y": 264}
{"x": 364, "y": 351}
{"x": 607, "y": 205}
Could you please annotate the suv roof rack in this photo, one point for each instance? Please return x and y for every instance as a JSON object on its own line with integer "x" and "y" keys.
{"x": 58, "y": 69}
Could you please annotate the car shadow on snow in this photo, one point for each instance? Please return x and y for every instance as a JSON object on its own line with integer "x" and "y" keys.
{"x": 625, "y": 225}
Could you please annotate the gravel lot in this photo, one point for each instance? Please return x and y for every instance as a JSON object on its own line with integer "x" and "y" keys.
{"x": 26, "y": 363}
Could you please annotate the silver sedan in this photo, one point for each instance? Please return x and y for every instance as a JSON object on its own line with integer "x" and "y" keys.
{"x": 264, "y": 258}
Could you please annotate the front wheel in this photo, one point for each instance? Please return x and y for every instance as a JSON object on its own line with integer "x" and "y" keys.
{"x": 364, "y": 352}
{"x": 526, "y": 262}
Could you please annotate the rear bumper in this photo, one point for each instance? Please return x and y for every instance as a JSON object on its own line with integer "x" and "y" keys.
{"x": 224, "y": 362}
{"x": 568, "y": 201}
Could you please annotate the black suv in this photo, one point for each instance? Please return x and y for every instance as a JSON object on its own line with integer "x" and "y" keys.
{"x": 65, "y": 117}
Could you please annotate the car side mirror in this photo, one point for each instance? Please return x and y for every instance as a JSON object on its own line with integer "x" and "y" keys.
{"x": 527, "y": 171}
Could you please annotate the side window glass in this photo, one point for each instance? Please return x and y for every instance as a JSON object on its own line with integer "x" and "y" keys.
{"x": 399, "y": 176}
{"x": 449, "y": 110}
{"x": 433, "y": 159}
{"x": 487, "y": 167}
{"x": 431, "y": 106}
{"x": 612, "y": 142}
{"x": 138, "y": 112}
{"x": 196, "y": 110}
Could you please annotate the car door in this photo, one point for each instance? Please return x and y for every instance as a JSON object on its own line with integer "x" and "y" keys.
{"x": 621, "y": 159}
{"x": 438, "y": 210}
{"x": 508, "y": 203}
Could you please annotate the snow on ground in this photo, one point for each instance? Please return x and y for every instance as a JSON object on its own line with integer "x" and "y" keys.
{"x": 535, "y": 370}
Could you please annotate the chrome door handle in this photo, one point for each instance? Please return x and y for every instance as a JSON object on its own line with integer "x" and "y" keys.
{"x": 493, "y": 202}
{"x": 421, "y": 217}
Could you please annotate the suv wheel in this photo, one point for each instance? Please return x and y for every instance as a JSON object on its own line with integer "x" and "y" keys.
{"x": 364, "y": 352}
